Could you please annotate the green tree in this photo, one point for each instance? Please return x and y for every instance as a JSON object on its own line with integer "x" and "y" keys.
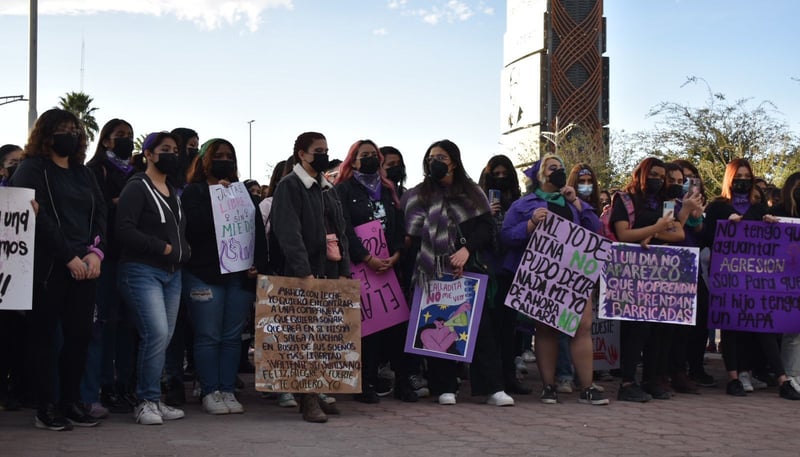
{"x": 138, "y": 142}
{"x": 712, "y": 135}
{"x": 79, "y": 104}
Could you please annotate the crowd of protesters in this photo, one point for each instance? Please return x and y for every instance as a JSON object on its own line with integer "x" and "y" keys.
{"x": 129, "y": 300}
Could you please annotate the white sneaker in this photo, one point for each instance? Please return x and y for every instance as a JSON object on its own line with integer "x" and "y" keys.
{"x": 147, "y": 413}
{"x": 214, "y": 404}
{"x": 598, "y": 387}
{"x": 565, "y": 386}
{"x": 500, "y": 398}
{"x": 744, "y": 378}
{"x": 232, "y": 403}
{"x": 794, "y": 381}
{"x": 528, "y": 356}
{"x": 286, "y": 400}
{"x": 327, "y": 399}
{"x": 447, "y": 399}
{"x": 520, "y": 364}
{"x": 168, "y": 413}
{"x": 422, "y": 392}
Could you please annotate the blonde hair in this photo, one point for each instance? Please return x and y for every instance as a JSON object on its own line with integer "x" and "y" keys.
{"x": 540, "y": 174}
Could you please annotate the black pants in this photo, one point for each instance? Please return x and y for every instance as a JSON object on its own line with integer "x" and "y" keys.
{"x": 655, "y": 356}
{"x": 698, "y": 335}
{"x": 70, "y": 303}
{"x": 633, "y": 336}
{"x": 738, "y": 349}
{"x": 505, "y": 325}
{"x": 385, "y": 345}
{"x": 12, "y": 343}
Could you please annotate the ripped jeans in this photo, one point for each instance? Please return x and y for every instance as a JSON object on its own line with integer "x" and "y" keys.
{"x": 218, "y": 313}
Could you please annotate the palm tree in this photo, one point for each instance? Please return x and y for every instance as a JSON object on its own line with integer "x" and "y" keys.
{"x": 78, "y": 104}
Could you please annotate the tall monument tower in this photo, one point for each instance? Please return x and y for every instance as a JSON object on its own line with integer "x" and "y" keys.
{"x": 554, "y": 73}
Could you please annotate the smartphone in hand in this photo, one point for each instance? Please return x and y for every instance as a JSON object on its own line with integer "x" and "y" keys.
{"x": 669, "y": 207}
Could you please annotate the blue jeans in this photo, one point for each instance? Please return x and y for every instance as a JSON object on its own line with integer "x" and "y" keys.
{"x": 564, "y": 371}
{"x": 218, "y": 313}
{"x": 153, "y": 296}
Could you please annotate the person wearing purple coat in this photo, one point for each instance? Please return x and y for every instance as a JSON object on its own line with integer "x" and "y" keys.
{"x": 551, "y": 194}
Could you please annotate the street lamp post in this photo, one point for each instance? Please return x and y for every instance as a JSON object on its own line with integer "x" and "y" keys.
{"x": 250, "y": 128}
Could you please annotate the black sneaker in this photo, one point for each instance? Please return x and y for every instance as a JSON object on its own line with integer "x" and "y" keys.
{"x": 77, "y": 415}
{"x": 516, "y": 387}
{"x": 367, "y": 396}
{"x": 384, "y": 386}
{"x": 656, "y": 391}
{"x": 51, "y": 419}
{"x": 788, "y": 391}
{"x": 115, "y": 403}
{"x": 592, "y": 396}
{"x": 633, "y": 392}
{"x": 735, "y": 388}
{"x": 176, "y": 392}
{"x": 549, "y": 395}
{"x": 703, "y": 379}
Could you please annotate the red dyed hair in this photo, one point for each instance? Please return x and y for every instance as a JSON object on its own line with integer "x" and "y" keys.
{"x": 346, "y": 168}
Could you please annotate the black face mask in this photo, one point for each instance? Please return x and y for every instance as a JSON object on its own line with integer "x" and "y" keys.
{"x": 167, "y": 163}
{"x": 653, "y": 185}
{"x": 742, "y": 186}
{"x": 369, "y": 165}
{"x": 123, "y": 147}
{"x": 222, "y": 169}
{"x": 396, "y": 173}
{"x": 65, "y": 144}
{"x": 10, "y": 171}
{"x": 558, "y": 178}
{"x": 438, "y": 170}
{"x": 191, "y": 153}
{"x": 675, "y": 191}
{"x": 320, "y": 163}
{"x": 501, "y": 184}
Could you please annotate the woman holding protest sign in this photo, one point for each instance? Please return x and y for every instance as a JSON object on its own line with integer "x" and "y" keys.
{"x": 70, "y": 240}
{"x": 450, "y": 224}
{"x": 151, "y": 228}
{"x": 647, "y": 224}
{"x": 219, "y": 302}
{"x": 368, "y": 195}
{"x": 551, "y": 194}
{"x": 309, "y": 225}
{"x": 741, "y": 200}
{"x": 500, "y": 184}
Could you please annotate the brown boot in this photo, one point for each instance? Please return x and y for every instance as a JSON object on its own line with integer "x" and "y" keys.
{"x": 309, "y": 406}
{"x": 328, "y": 408}
{"x": 682, "y": 384}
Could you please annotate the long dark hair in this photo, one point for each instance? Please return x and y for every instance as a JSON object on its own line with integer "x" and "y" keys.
{"x": 463, "y": 187}
{"x": 486, "y": 181}
{"x": 105, "y": 133}
{"x": 788, "y": 201}
{"x": 686, "y": 165}
{"x": 40, "y": 140}
{"x": 304, "y": 141}
{"x": 277, "y": 173}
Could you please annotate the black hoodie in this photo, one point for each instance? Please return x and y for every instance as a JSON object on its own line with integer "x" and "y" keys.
{"x": 147, "y": 221}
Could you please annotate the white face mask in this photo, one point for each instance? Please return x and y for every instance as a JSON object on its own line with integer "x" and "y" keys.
{"x": 585, "y": 189}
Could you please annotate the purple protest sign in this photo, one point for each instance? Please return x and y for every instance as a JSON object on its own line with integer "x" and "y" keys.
{"x": 657, "y": 284}
{"x": 445, "y": 317}
{"x": 754, "y": 277}
{"x": 558, "y": 271}
{"x": 382, "y": 301}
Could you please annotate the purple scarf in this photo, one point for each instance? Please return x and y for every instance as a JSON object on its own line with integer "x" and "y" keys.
{"x": 122, "y": 165}
{"x": 741, "y": 203}
{"x": 372, "y": 182}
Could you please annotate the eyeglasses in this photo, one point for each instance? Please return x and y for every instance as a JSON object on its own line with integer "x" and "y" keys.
{"x": 439, "y": 157}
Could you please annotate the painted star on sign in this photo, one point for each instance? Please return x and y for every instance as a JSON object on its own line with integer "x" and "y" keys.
{"x": 427, "y": 316}
{"x": 463, "y": 336}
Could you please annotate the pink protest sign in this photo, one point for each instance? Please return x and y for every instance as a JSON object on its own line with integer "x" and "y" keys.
{"x": 382, "y": 302}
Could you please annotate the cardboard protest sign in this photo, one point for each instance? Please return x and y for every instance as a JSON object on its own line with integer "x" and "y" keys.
{"x": 17, "y": 231}
{"x": 445, "y": 317}
{"x": 308, "y": 335}
{"x": 234, "y": 225}
{"x": 754, "y": 278}
{"x": 605, "y": 341}
{"x": 558, "y": 272}
{"x": 382, "y": 301}
{"x": 657, "y": 284}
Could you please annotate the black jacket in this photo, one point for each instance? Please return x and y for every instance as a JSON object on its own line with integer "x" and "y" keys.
{"x": 111, "y": 181}
{"x": 72, "y": 212}
{"x": 299, "y": 210}
{"x": 200, "y": 233}
{"x": 359, "y": 209}
{"x": 147, "y": 221}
